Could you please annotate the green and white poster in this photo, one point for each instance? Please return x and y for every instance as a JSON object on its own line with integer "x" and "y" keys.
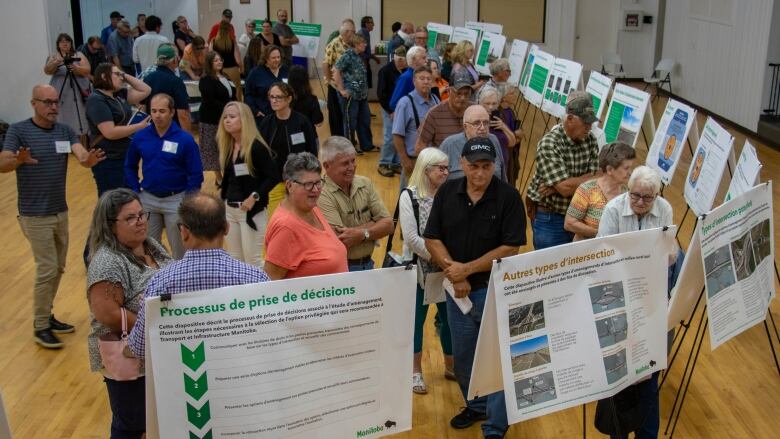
{"x": 747, "y": 173}
{"x": 325, "y": 356}
{"x": 464, "y": 34}
{"x": 491, "y": 47}
{"x": 438, "y": 36}
{"x": 309, "y": 39}
{"x": 537, "y": 79}
{"x": 626, "y": 114}
{"x": 529, "y": 65}
{"x": 562, "y": 80}
{"x": 517, "y": 59}
{"x": 598, "y": 86}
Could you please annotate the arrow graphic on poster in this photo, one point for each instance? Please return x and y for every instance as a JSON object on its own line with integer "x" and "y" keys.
{"x": 199, "y": 417}
{"x": 206, "y": 436}
{"x": 193, "y": 359}
{"x": 196, "y": 388}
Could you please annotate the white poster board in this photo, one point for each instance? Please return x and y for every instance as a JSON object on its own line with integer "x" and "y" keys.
{"x": 324, "y": 356}
{"x": 537, "y": 79}
{"x": 517, "y": 60}
{"x": 737, "y": 246}
{"x": 491, "y": 48}
{"x": 574, "y": 323}
{"x": 563, "y": 79}
{"x": 689, "y": 283}
{"x": 485, "y": 27}
{"x": 707, "y": 166}
{"x": 529, "y": 65}
{"x": 308, "y": 39}
{"x": 747, "y": 173}
{"x": 464, "y": 34}
{"x": 599, "y": 87}
{"x": 670, "y": 138}
{"x": 438, "y": 36}
{"x": 626, "y": 114}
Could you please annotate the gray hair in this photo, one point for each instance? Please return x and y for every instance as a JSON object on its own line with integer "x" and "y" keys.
{"x": 249, "y": 21}
{"x": 346, "y": 26}
{"x": 615, "y": 154}
{"x": 412, "y": 52}
{"x": 487, "y": 91}
{"x": 300, "y": 162}
{"x": 498, "y": 66}
{"x": 335, "y": 145}
{"x": 101, "y": 231}
{"x": 646, "y": 177}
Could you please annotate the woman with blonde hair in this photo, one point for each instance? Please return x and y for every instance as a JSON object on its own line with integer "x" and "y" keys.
{"x": 249, "y": 173}
{"x": 430, "y": 172}
{"x": 462, "y": 54}
{"x": 225, "y": 44}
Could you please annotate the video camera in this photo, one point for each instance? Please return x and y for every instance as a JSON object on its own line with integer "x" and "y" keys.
{"x": 70, "y": 60}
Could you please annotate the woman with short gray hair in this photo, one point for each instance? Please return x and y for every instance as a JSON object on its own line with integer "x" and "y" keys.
{"x": 122, "y": 260}
{"x": 638, "y": 209}
{"x": 299, "y": 241}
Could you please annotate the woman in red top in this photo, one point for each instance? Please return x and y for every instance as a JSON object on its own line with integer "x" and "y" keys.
{"x": 299, "y": 241}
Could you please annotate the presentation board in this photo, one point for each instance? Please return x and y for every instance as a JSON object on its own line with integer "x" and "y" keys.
{"x": 747, "y": 173}
{"x": 537, "y": 79}
{"x": 707, "y": 166}
{"x": 626, "y": 114}
{"x": 737, "y": 247}
{"x": 689, "y": 283}
{"x": 563, "y": 79}
{"x": 308, "y": 35}
{"x": 485, "y": 27}
{"x": 673, "y": 129}
{"x": 517, "y": 60}
{"x": 529, "y": 65}
{"x": 438, "y": 36}
{"x": 599, "y": 87}
{"x": 491, "y": 48}
{"x": 574, "y": 323}
{"x": 324, "y": 356}
{"x": 464, "y": 34}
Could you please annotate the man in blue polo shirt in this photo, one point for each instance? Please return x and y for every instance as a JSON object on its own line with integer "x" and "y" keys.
{"x": 171, "y": 167}
{"x": 164, "y": 80}
{"x": 415, "y": 57}
{"x": 106, "y": 32}
{"x": 408, "y": 116}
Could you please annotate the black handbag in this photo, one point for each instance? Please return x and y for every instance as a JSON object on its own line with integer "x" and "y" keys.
{"x": 389, "y": 260}
{"x": 622, "y": 413}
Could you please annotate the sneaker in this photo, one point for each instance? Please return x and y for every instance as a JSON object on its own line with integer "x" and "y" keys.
{"x": 396, "y": 169}
{"x": 418, "y": 385}
{"x": 466, "y": 418}
{"x": 47, "y": 339}
{"x": 58, "y": 327}
{"x": 385, "y": 171}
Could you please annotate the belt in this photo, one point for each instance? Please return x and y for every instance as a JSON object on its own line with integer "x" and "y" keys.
{"x": 236, "y": 204}
{"x": 359, "y": 261}
{"x": 540, "y": 208}
{"x": 162, "y": 194}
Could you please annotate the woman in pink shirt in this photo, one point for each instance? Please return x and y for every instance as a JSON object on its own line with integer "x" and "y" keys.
{"x": 299, "y": 241}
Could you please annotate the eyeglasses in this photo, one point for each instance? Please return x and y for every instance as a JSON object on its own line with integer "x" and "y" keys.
{"x": 479, "y": 123}
{"x": 635, "y": 197}
{"x": 277, "y": 97}
{"x": 441, "y": 168}
{"x": 310, "y": 185}
{"x": 47, "y": 102}
{"x": 132, "y": 220}
{"x": 119, "y": 74}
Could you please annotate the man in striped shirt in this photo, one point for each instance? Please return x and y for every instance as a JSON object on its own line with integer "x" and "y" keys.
{"x": 37, "y": 149}
{"x": 446, "y": 118}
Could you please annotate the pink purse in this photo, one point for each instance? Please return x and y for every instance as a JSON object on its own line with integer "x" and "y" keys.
{"x": 119, "y": 366}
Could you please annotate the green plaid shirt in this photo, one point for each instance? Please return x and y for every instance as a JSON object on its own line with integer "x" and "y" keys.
{"x": 558, "y": 158}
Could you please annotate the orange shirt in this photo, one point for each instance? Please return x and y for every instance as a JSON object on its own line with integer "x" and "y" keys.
{"x": 302, "y": 249}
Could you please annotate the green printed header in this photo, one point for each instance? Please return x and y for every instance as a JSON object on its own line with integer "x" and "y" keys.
{"x": 730, "y": 214}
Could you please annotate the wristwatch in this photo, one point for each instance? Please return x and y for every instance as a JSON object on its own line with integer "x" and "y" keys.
{"x": 365, "y": 235}
{"x": 256, "y": 196}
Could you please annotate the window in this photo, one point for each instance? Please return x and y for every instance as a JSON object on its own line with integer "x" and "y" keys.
{"x": 419, "y": 12}
{"x": 522, "y": 19}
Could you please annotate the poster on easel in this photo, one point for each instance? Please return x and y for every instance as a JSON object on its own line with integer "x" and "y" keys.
{"x": 575, "y": 323}
{"x": 491, "y": 47}
{"x": 737, "y": 246}
{"x": 529, "y": 65}
{"x": 747, "y": 173}
{"x": 516, "y": 59}
{"x": 481, "y": 27}
{"x": 537, "y": 79}
{"x": 438, "y": 36}
{"x": 563, "y": 79}
{"x": 599, "y": 87}
{"x": 465, "y": 34}
{"x": 308, "y": 39}
{"x": 707, "y": 166}
{"x": 626, "y": 114}
{"x": 325, "y": 356}
{"x": 673, "y": 129}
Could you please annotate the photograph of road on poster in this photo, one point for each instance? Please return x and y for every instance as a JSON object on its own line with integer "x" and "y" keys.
{"x": 760, "y": 235}
{"x": 607, "y": 297}
{"x": 742, "y": 253}
{"x": 612, "y": 330}
{"x": 535, "y": 390}
{"x": 615, "y": 366}
{"x": 719, "y": 271}
{"x": 526, "y": 318}
{"x": 530, "y": 353}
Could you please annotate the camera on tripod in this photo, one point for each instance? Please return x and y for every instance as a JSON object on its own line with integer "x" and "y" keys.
{"x": 70, "y": 60}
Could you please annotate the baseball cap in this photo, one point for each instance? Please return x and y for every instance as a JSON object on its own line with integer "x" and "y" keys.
{"x": 227, "y": 13}
{"x": 460, "y": 78}
{"x": 479, "y": 148}
{"x": 165, "y": 52}
{"x": 116, "y": 14}
{"x": 580, "y": 104}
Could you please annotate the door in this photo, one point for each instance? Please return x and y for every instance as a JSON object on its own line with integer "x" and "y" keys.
{"x": 210, "y": 12}
{"x": 58, "y": 20}
{"x": 595, "y": 32}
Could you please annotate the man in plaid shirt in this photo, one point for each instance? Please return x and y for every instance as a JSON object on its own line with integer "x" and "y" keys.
{"x": 205, "y": 265}
{"x": 565, "y": 157}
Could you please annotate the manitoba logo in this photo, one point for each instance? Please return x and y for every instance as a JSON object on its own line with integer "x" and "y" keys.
{"x": 376, "y": 429}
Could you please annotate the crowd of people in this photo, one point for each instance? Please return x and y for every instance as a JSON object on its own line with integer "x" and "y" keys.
{"x": 287, "y": 205}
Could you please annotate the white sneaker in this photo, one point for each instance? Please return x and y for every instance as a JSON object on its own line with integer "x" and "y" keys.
{"x": 418, "y": 384}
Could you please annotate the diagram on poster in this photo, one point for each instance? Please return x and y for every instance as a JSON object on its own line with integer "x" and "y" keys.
{"x": 517, "y": 59}
{"x": 491, "y": 48}
{"x": 747, "y": 173}
{"x": 542, "y": 64}
{"x": 737, "y": 246}
{"x": 574, "y": 323}
{"x": 669, "y": 139}
{"x": 464, "y": 34}
{"x": 438, "y": 36}
{"x": 562, "y": 80}
{"x": 625, "y": 115}
{"x": 529, "y": 65}
{"x": 325, "y": 356}
{"x": 707, "y": 167}
{"x": 598, "y": 87}
{"x": 308, "y": 39}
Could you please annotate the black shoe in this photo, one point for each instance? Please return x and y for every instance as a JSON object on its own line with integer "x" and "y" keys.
{"x": 396, "y": 169}
{"x": 385, "y": 171}
{"x": 466, "y": 418}
{"x": 58, "y": 327}
{"x": 47, "y": 339}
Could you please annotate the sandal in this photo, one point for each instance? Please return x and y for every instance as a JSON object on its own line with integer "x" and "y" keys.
{"x": 449, "y": 375}
{"x": 418, "y": 385}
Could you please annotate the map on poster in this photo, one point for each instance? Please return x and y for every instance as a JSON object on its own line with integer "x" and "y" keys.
{"x": 562, "y": 80}
{"x": 328, "y": 356}
{"x": 669, "y": 139}
{"x": 599, "y": 87}
{"x": 517, "y": 59}
{"x": 626, "y": 114}
{"x": 706, "y": 171}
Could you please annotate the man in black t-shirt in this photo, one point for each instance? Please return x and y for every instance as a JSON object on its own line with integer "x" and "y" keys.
{"x": 93, "y": 50}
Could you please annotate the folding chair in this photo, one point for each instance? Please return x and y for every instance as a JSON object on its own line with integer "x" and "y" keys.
{"x": 612, "y": 66}
{"x": 661, "y": 75}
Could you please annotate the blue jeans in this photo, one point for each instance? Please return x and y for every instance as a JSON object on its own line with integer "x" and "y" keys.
{"x": 357, "y": 118}
{"x": 361, "y": 267}
{"x": 465, "y": 330}
{"x": 548, "y": 230}
{"x": 388, "y": 156}
{"x": 648, "y": 398}
{"x": 128, "y": 408}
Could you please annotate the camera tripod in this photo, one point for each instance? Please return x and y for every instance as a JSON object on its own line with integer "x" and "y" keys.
{"x": 78, "y": 92}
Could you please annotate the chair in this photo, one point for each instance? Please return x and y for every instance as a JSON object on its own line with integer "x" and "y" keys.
{"x": 612, "y": 66}
{"x": 661, "y": 75}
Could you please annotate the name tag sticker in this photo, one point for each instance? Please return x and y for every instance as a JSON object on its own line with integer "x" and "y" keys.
{"x": 62, "y": 146}
{"x": 241, "y": 169}
{"x": 284, "y": 80}
{"x": 297, "y": 138}
{"x": 170, "y": 147}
